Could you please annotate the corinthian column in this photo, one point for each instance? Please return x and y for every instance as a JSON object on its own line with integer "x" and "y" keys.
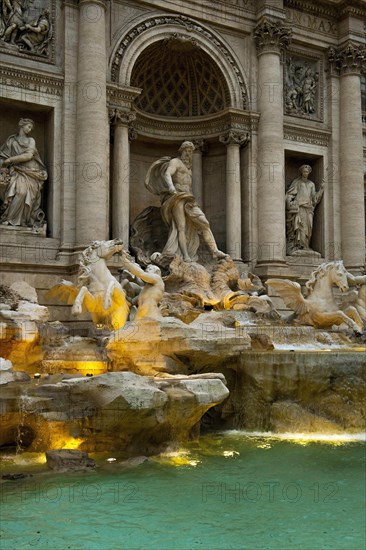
{"x": 271, "y": 37}
{"x": 349, "y": 61}
{"x": 92, "y": 201}
{"x": 233, "y": 141}
{"x": 121, "y": 175}
{"x": 197, "y": 178}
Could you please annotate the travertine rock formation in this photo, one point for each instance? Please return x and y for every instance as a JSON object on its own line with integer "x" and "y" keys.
{"x": 114, "y": 411}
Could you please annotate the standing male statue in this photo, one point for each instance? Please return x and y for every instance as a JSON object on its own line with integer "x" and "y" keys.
{"x": 171, "y": 179}
{"x": 301, "y": 200}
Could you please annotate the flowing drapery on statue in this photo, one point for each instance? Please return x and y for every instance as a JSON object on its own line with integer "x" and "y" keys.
{"x": 26, "y": 173}
{"x": 301, "y": 200}
{"x": 171, "y": 180}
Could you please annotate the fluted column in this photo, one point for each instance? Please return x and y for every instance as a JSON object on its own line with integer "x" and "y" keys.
{"x": 92, "y": 201}
{"x": 121, "y": 174}
{"x": 349, "y": 61}
{"x": 271, "y": 37}
{"x": 233, "y": 141}
{"x": 197, "y": 171}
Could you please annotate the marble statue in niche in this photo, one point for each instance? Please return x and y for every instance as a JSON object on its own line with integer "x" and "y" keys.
{"x": 301, "y": 200}
{"x": 171, "y": 180}
{"x": 21, "y": 182}
{"x": 24, "y": 29}
{"x": 301, "y": 83}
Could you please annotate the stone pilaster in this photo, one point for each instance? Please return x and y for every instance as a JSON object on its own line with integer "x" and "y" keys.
{"x": 233, "y": 141}
{"x": 123, "y": 134}
{"x": 348, "y": 61}
{"x": 271, "y": 38}
{"x": 197, "y": 171}
{"x": 92, "y": 138}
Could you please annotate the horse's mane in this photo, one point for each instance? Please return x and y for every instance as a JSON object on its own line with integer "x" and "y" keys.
{"x": 320, "y": 272}
{"x": 85, "y": 261}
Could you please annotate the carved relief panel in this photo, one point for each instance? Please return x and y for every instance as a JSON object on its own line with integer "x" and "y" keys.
{"x": 303, "y": 87}
{"x": 26, "y": 28}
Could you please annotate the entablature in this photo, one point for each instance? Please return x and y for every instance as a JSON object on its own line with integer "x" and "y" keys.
{"x": 174, "y": 129}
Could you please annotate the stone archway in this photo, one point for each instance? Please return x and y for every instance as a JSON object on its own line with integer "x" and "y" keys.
{"x": 144, "y": 32}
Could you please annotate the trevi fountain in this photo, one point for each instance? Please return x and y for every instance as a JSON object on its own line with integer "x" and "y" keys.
{"x": 160, "y": 385}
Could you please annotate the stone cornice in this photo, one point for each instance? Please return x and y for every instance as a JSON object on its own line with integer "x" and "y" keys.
{"x": 32, "y": 81}
{"x": 348, "y": 59}
{"x": 325, "y": 9}
{"x": 121, "y": 97}
{"x": 271, "y": 36}
{"x": 196, "y": 128}
{"x": 307, "y": 135}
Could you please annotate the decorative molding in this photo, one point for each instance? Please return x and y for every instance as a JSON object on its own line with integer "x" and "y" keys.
{"x": 102, "y": 3}
{"x": 323, "y": 9}
{"x": 348, "y": 59}
{"x": 307, "y": 135}
{"x": 271, "y": 36}
{"x": 121, "y": 97}
{"x": 32, "y": 81}
{"x": 186, "y": 23}
{"x": 234, "y": 138}
{"x": 196, "y": 128}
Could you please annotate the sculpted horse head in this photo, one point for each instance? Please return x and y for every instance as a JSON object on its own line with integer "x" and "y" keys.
{"x": 98, "y": 250}
{"x": 331, "y": 273}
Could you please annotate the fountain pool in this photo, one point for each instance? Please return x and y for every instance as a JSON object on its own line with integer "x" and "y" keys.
{"x": 231, "y": 490}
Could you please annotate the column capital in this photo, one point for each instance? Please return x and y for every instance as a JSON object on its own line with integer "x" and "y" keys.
{"x": 271, "y": 36}
{"x": 120, "y": 117}
{"x": 234, "y": 137}
{"x": 348, "y": 59}
{"x": 200, "y": 145}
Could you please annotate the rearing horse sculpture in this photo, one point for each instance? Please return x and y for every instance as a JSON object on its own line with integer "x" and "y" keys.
{"x": 319, "y": 309}
{"x": 97, "y": 291}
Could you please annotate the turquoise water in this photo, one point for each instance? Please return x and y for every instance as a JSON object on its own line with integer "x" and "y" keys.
{"x": 227, "y": 492}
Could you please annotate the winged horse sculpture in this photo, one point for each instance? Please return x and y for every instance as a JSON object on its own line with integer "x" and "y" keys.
{"x": 97, "y": 290}
{"x": 319, "y": 308}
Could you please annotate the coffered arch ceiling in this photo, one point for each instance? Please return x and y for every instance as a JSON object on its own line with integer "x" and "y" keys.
{"x": 178, "y": 79}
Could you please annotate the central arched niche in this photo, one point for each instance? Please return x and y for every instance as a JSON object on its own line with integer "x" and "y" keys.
{"x": 178, "y": 79}
{"x": 179, "y": 82}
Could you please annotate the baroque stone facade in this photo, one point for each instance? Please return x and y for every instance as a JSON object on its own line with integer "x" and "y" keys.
{"x": 259, "y": 88}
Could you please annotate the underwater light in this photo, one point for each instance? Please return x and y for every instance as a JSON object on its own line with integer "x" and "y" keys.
{"x": 111, "y": 459}
{"x": 37, "y": 375}
{"x": 229, "y": 454}
{"x": 301, "y": 438}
